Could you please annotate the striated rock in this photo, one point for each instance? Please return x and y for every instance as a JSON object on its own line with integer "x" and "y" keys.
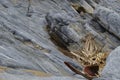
{"x": 110, "y": 20}
{"x": 26, "y": 47}
{"x": 64, "y": 29}
{"x": 24, "y": 42}
{"x": 111, "y": 4}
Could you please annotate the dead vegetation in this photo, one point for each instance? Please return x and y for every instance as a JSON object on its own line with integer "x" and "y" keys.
{"x": 91, "y": 57}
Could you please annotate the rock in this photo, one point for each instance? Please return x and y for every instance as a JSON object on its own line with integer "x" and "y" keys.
{"x": 63, "y": 29}
{"x": 24, "y": 42}
{"x": 110, "y": 19}
{"x": 112, "y": 69}
{"x": 26, "y": 45}
{"x": 111, "y": 4}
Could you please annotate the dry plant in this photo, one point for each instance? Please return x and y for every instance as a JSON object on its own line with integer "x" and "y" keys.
{"x": 91, "y": 57}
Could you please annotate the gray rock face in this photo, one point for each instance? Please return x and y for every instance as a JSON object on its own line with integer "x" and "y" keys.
{"x": 25, "y": 43}
{"x": 112, "y": 69}
{"x": 61, "y": 28}
{"x": 111, "y": 4}
{"x": 109, "y": 18}
{"x": 12, "y": 74}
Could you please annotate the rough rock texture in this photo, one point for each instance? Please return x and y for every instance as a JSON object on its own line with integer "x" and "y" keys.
{"x": 23, "y": 74}
{"x": 25, "y": 42}
{"x": 109, "y": 18}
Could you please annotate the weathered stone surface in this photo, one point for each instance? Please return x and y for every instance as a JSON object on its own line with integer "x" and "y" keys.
{"x": 64, "y": 29}
{"x": 25, "y": 43}
{"x": 110, "y": 19}
{"x": 23, "y": 74}
{"x": 111, "y": 4}
{"x": 82, "y": 3}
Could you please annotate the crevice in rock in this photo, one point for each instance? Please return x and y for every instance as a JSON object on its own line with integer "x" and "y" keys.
{"x": 29, "y": 12}
{"x": 97, "y": 1}
{"x": 5, "y": 6}
{"x": 97, "y": 26}
{"x": 78, "y": 8}
{"x": 56, "y": 40}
